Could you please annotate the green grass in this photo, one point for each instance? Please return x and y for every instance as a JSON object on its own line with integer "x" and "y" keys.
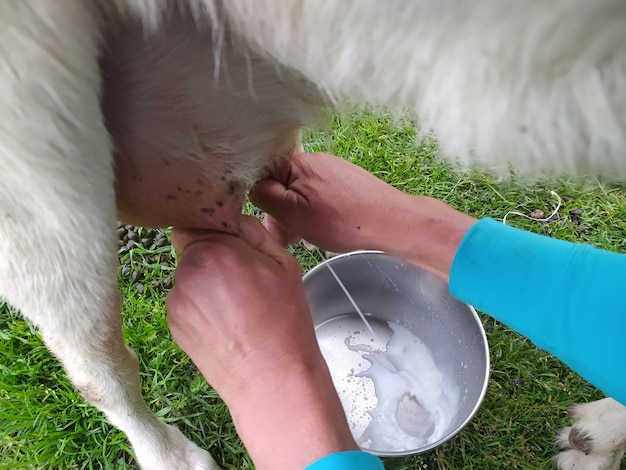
{"x": 45, "y": 424}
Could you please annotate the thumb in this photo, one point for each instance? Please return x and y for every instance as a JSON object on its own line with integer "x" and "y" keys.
{"x": 259, "y": 239}
{"x": 279, "y": 233}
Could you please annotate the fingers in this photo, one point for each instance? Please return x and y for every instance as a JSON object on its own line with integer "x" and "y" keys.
{"x": 282, "y": 236}
{"x": 260, "y": 240}
{"x": 183, "y": 238}
{"x": 284, "y": 204}
{"x": 201, "y": 248}
{"x": 270, "y": 195}
{"x": 278, "y": 193}
{"x": 210, "y": 249}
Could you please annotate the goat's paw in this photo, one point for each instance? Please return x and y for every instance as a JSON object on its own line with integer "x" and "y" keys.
{"x": 597, "y": 438}
{"x": 175, "y": 452}
{"x": 578, "y": 460}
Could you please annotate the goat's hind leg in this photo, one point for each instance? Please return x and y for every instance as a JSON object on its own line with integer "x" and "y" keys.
{"x": 77, "y": 312}
{"x": 57, "y": 217}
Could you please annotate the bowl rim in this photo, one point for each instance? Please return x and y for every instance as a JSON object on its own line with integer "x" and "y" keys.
{"x": 485, "y": 347}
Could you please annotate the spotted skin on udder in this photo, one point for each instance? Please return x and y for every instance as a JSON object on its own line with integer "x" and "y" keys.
{"x": 157, "y": 195}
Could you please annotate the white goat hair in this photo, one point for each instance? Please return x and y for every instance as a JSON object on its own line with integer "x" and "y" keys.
{"x": 536, "y": 85}
{"x": 597, "y": 438}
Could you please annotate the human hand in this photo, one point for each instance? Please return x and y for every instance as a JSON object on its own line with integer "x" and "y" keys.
{"x": 238, "y": 310}
{"x": 340, "y": 207}
{"x": 329, "y": 202}
{"x": 246, "y": 295}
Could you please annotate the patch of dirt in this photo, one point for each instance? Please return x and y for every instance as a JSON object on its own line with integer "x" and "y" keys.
{"x": 140, "y": 246}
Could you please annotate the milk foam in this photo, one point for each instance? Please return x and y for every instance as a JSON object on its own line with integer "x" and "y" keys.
{"x": 402, "y": 401}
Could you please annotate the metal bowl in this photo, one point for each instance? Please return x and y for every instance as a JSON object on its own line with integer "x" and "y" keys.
{"x": 404, "y": 392}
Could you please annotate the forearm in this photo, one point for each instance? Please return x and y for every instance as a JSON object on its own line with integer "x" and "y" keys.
{"x": 581, "y": 316}
{"x": 291, "y": 422}
{"x": 423, "y": 231}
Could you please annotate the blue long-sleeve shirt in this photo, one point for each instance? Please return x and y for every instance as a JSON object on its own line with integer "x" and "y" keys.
{"x": 349, "y": 460}
{"x": 567, "y": 298}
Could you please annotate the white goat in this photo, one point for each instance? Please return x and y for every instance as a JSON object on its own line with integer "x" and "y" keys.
{"x": 225, "y": 86}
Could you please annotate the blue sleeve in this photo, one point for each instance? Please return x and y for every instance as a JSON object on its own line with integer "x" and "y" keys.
{"x": 567, "y": 298}
{"x": 349, "y": 460}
